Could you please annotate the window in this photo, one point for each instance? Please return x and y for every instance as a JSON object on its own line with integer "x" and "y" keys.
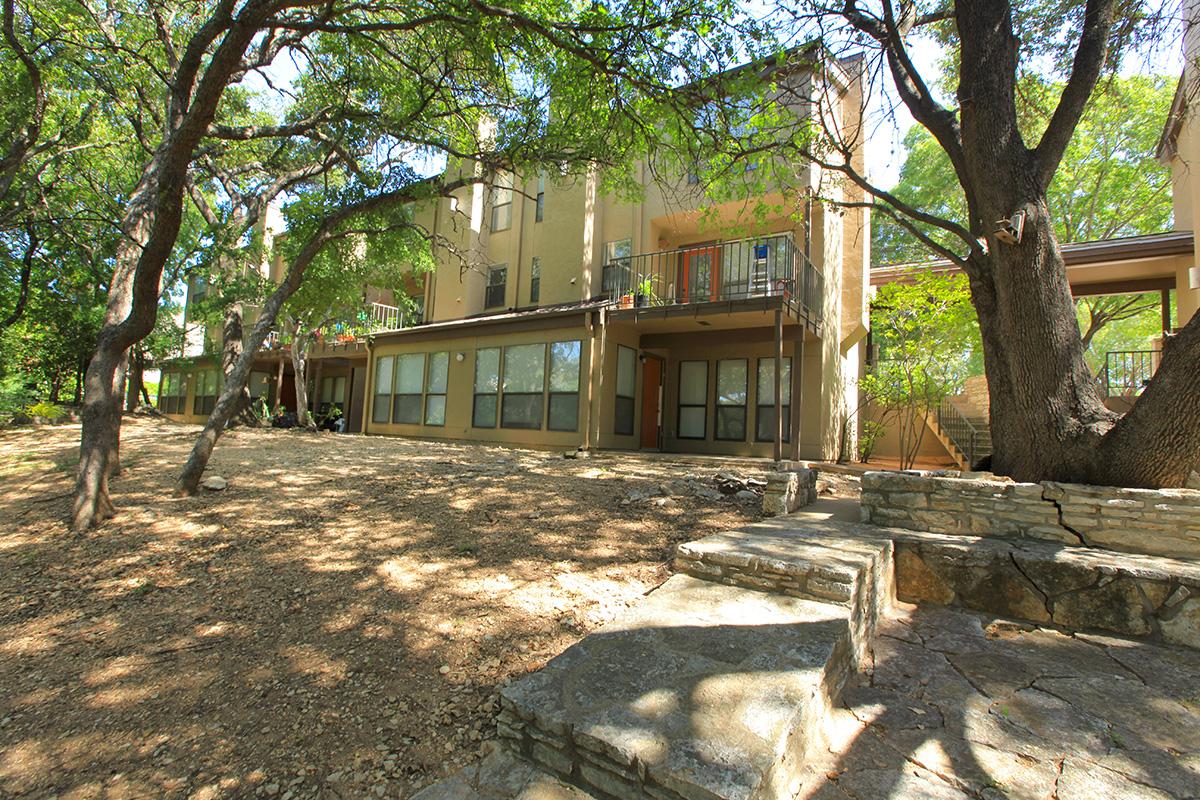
{"x": 564, "y": 386}
{"x": 616, "y": 278}
{"x": 731, "y": 399}
{"x": 502, "y": 197}
{"x": 693, "y": 399}
{"x": 540, "y": 209}
{"x": 487, "y": 385}
{"x": 173, "y": 393}
{"x": 260, "y": 386}
{"x": 626, "y": 386}
{"x": 206, "y": 392}
{"x": 333, "y": 393}
{"x": 435, "y": 388}
{"x": 382, "y": 404}
{"x": 497, "y": 281}
{"x": 410, "y": 378}
{"x": 524, "y": 385}
{"x": 535, "y": 280}
{"x": 764, "y": 416}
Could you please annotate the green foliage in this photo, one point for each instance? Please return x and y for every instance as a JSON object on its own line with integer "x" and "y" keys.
{"x": 928, "y": 344}
{"x": 869, "y": 433}
{"x": 1109, "y": 183}
{"x": 50, "y": 411}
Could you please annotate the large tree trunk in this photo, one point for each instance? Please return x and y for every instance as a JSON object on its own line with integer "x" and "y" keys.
{"x": 300, "y": 367}
{"x": 231, "y": 353}
{"x": 135, "y": 382}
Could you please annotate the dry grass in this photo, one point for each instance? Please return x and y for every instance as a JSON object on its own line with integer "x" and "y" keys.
{"x": 334, "y": 624}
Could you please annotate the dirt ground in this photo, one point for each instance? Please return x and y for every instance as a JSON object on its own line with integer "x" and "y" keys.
{"x": 335, "y": 623}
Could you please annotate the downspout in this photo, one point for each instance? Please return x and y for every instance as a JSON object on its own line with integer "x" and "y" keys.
{"x": 599, "y": 397}
{"x": 368, "y": 386}
{"x": 587, "y": 406}
{"x": 520, "y": 244}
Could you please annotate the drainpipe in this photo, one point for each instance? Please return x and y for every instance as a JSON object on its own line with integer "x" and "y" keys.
{"x": 778, "y": 385}
{"x": 599, "y": 397}
{"x": 368, "y": 386}
{"x": 587, "y": 406}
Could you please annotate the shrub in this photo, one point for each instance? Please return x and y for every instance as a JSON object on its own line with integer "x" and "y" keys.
{"x": 43, "y": 409}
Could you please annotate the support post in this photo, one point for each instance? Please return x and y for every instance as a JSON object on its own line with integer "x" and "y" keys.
{"x": 778, "y": 384}
{"x": 1166, "y": 310}
{"x": 315, "y": 400}
{"x": 797, "y": 404}
{"x": 278, "y": 385}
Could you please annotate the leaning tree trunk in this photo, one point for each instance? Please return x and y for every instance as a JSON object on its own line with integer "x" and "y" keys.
{"x": 135, "y": 382}
{"x": 231, "y": 353}
{"x": 300, "y": 368}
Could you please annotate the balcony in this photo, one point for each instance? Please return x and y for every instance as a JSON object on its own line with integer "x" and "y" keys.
{"x": 1126, "y": 372}
{"x": 742, "y": 269}
{"x": 373, "y": 318}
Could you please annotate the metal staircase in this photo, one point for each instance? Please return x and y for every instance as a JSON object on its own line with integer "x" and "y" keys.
{"x": 968, "y": 437}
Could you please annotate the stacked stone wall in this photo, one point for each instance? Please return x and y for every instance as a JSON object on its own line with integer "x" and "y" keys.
{"x": 1162, "y": 522}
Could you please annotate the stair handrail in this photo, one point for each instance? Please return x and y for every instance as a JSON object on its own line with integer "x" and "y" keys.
{"x": 955, "y": 425}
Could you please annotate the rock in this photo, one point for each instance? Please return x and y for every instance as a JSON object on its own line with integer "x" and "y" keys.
{"x": 708, "y": 494}
{"x": 214, "y": 483}
{"x": 746, "y": 494}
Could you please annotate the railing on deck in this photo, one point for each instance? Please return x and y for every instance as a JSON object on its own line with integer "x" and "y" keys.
{"x": 958, "y": 429}
{"x": 765, "y": 266}
{"x": 1126, "y": 372}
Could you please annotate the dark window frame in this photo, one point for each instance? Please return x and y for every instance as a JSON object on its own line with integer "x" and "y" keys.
{"x": 535, "y": 280}
{"x": 378, "y": 404}
{"x": 718, "y": 405}
{"x": 490, "y": 288}
{"x": 428, "y": 394}
{"x": 203, "y": 404}
{"x": 539, "y": 209}
{"x": 551, "y": 394}
{"x": 625, "y": 400}
{"x": 760, "y": 406}
{"x": 476, "y": 394}
{"x": 680, "y": 405}
{"x": 397, "y": 396}
{"x": 505, "y": 394}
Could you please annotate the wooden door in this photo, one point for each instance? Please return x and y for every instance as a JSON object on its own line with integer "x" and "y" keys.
{"x": 652, "y": 370}
{"x": 701, "y": 275}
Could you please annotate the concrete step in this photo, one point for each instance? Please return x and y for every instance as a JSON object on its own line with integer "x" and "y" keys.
{"x": 502, "y": 775}
{"x": 1075, "y": 587}
{"x": 704, "y": 691}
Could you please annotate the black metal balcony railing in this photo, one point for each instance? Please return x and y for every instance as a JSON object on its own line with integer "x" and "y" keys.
{"x": 1126, "y": 372}
{"x": 766, "y": 266}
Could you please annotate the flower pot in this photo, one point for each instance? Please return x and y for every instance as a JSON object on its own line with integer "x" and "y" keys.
{"x": 642, "y": 300}
{"x": 626, "y": 301}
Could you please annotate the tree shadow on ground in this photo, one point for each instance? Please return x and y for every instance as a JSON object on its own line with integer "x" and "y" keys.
{"x": 337, "y": 620}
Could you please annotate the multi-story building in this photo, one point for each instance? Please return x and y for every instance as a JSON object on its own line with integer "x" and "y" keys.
{"x": 559, "y": 316}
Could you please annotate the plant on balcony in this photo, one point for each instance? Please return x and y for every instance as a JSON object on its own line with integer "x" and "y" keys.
{"x": 643, "y": 292}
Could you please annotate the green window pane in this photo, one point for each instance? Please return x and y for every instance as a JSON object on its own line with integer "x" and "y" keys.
{"x": 693, "y": 383}
{"x": 626, "y": 371}
{"x": 525, "y": 368}
{"x": 383, "y": 374}
{"x": 487, "y": 370}
{"x": 766, "y": 381}
{"x": 410, "y": 373}
{"x": 564, "y": 367}
{"x": 439, "y": 365}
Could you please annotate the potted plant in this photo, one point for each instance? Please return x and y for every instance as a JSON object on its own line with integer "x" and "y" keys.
{"x": 644, "y": 292}
{"x": 626, "y": 300}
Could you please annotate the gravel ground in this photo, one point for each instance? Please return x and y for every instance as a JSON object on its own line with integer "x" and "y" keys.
{"x": 335, "y": 623}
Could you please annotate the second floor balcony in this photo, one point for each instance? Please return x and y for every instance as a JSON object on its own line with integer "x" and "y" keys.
{"x": 741, "y": 269}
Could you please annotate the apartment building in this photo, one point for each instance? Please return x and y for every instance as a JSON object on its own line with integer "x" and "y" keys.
{"x": 562, "y": 317}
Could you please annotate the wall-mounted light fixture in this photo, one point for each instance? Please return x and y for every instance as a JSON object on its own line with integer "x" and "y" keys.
{"x": 460, "y": 356}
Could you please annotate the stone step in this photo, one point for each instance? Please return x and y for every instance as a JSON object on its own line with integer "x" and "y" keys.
{"x": 1078, "y": 588}
{"x": 703, "y": 691}
{"x": 502, "y": 775}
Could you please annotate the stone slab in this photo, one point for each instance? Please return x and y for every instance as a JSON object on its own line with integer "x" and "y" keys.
{"x": 702, "y": 691}
{"x": 1078, "y": 588}
{"x": 502, "y": 775}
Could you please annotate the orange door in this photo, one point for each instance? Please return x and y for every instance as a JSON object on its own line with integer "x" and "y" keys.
{"x": 701, "y": 275}
{"x": 651, "y": 401}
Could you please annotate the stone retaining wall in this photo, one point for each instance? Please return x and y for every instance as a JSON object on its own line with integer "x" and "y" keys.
{"x": 789, "y": 490}
{"x": 1163, "y": 522}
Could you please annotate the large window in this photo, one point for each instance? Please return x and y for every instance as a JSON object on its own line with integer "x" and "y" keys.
{"x": 524, "y": 385}
{"x": 540, "y": 210}
{"x": 535, "y": 280}
{"x": 381, "y": 406}
{"x": 410, "y": 379}
{"x": 487, "y": 387}
{"x": 564, "y": 386}
{"x": 731, "y": 399}
{"x": 764, "y": 416}
{"x": 435, "y": 388}
{"x": 497, "y": 281}
{"x": 502, "y": 199}
{"x": 616, "y": 278}
{"x": 333, "y": 393}
{"x": 626, "y": 388}
{"x": 261, "y": 386}
{"x": 173, "y": 394}
{"x": 693, "y": 399}
{"x": 206, "y": 392}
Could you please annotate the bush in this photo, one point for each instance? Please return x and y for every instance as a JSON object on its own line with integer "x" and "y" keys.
{"x": 868, "y": 436}
{"x": 48, "y": 410}
{"x": 14, "y": 396}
